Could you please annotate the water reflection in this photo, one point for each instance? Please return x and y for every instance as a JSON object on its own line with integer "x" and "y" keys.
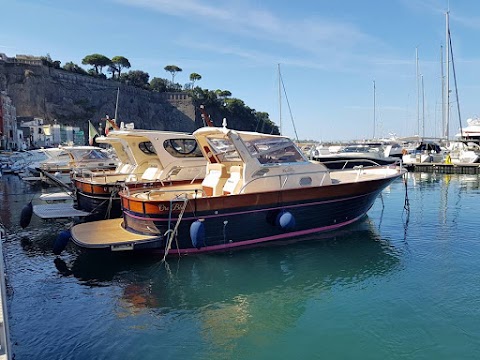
{"x": 349, "y": 256}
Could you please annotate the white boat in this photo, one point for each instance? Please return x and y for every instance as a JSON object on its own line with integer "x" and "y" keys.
{"x": 463, "y": 152}
{"x": 259, "y": 188}
{"x": 146, "y": 158}
{"x": 425, "y": 152}
{"x": 472, "y": 131}
{"x": 75, "y": 157}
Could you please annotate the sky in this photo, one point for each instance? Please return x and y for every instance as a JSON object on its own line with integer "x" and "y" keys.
{"x": 349, "y": 68}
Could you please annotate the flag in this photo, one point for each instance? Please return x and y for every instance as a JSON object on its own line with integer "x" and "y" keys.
{"x": 92, "y": 133}
{"x": 110, "y": 124}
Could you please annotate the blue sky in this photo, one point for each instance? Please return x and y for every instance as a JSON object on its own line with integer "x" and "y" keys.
{"x": 330, "y": 53}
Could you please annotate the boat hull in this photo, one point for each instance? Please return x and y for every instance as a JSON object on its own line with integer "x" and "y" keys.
{"x": 224, "y": 223}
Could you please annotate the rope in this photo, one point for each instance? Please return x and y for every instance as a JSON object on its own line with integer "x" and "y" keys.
{"x": 171, "y": 233}
{"x": 406, "y": 204}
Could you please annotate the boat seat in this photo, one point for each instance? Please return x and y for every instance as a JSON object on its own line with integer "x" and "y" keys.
{"x": 215, "y": 179}
{"x": 235, "y": 181}
{"x": 150, "y": 174}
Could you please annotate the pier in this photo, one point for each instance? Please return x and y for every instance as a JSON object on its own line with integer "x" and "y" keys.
{"x": 442, "y": 168}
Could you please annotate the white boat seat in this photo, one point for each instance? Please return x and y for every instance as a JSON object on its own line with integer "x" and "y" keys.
{"x": 235, "y": 181}
{"x": 150, "y": 174}
{"x": 214, "y": 180}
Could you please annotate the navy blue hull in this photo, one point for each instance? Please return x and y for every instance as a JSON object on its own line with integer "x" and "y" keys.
{"x": 245, "y": 226}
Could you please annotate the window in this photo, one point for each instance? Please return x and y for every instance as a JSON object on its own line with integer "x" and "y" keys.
{"x": 147, "y": 147}
{"x": 182, "y": 148}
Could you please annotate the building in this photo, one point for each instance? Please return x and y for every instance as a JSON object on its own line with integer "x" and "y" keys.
{"x": 10, "y": 137}
{"x": 38, "y": 134}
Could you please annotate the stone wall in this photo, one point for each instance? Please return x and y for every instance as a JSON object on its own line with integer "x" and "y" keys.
{"x": 73, "y": 99}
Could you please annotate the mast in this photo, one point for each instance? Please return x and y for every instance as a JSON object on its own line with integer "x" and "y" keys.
{"x": 443, "y": 89}
{"x": 447, "y": 84}
{"x": 418, "y": 91}
{"x": 423, "y": 109}
{"x": 374, "y": 106}
{"x": 116, "y": 104}
{"x": 280, "y": 99}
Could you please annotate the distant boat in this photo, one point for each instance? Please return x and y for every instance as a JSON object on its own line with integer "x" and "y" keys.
{"x": 258, "y": 188}
{"x": 362, "y": 154}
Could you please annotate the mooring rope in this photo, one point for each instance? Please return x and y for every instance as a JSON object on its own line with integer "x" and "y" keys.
{"x": 172, "y": 233}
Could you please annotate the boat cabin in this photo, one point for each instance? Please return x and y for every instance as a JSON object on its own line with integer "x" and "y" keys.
{"x": 245, "y": 162}
{"x": 151, "y": 155}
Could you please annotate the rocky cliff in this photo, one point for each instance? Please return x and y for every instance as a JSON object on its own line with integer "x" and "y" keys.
{"x": 73, "y": 99}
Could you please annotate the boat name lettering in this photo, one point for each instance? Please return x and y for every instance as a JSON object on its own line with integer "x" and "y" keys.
{"x": 175, "y": 207}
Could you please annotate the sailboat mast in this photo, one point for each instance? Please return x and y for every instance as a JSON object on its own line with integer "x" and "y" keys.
{"x": 116, "y": 105}
{"x": 280, "y": 99}
{"x": 443, "y": 89}
{"x": 447, "y": 81}
{"x": 423, "y": 109}
{"x": 418, "y": 91}
{"x": 374, "y": 106}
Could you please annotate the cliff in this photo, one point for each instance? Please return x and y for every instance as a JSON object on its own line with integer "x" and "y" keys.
{"x": 73, "y": 99}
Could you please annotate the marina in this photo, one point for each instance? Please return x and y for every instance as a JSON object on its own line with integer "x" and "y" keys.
{"x": 360, "y": 284}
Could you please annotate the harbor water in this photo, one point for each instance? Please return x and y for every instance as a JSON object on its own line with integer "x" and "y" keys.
{"x": 398, "y": 284}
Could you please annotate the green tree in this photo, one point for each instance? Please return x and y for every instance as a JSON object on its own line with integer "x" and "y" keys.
{"x": 172, "y": 69}
{"x": 136, "y": 78}
{"x": 159, "y": 84}
{"x": 72, "y": 67}
{"x": 195, "y": 77}
{"x": 119, "y": 63}
{"x": 98, "y": 61}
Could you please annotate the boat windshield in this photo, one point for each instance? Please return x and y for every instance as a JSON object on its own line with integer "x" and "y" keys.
{"x": 224, "y": 149}
{"x": 88, "y": 154}
{"x": 275, "y": 151}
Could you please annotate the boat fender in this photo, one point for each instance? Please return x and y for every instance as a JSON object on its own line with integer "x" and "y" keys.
{"x": 197, "y": 234}
{"x": 286, "y": 220}
{"x": 61, "y": 241}
{"x": 26, "y": 215}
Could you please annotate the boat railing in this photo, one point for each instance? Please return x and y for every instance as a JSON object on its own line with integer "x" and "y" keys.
{"x": 176, "y": 191}
{"x": 287, "y": 177}
{"x": 350, "y": 161}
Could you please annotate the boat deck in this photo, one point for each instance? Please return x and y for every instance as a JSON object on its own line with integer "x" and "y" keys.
{"x": 107, "y": 233}
{"x": 58, "y": 211}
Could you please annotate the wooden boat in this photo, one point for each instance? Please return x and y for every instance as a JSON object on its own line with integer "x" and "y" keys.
{"x": 258, "y": 188}
{"x": 147, "y": 158}
{"x": 70, "y": 158}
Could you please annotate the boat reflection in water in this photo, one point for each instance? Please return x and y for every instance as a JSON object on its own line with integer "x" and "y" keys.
{"x": 230, "y": 292}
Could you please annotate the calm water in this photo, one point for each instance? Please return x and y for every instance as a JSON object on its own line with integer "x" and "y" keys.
{"x": 394, "y": 285}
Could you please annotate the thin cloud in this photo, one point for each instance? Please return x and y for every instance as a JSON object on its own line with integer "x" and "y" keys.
{"x": 315, "y": 35}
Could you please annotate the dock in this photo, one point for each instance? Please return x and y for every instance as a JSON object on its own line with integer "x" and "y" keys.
{"x": 5, "y": 346}
{"x": 442, "y": 168}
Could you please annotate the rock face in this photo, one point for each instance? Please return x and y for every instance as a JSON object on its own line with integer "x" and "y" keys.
{"x": 73, "y": 99}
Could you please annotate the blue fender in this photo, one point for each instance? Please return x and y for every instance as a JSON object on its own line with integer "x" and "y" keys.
{"x": 286, "y": 220}
{"x": 26, "y": 215}
{"x": 61, "y": 241}
{"x": 197, "y": 234}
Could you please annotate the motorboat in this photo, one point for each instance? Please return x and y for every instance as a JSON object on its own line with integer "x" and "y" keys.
{"x": 146, "y": 159}
{"x": 351, "y": 155}
{"x": 258, "y": 189}
{"x": 425, "y": 152}
{"x": 460, "y": 152}
{"x": 58, "y": 170}
{"x": 472, "y": 131}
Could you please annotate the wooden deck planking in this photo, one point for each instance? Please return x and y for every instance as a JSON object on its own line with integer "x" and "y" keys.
{"x": 105, "y": 233}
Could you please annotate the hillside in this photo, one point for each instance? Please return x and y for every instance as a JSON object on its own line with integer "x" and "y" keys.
{"x": 57, "y": 95}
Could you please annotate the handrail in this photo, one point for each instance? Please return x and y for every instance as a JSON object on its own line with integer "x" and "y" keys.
{"x": 327, "y": 171}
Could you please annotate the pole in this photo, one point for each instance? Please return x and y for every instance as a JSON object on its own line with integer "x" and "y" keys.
{"x": 447, "y": 69}
{"x": 374, "y": 107}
